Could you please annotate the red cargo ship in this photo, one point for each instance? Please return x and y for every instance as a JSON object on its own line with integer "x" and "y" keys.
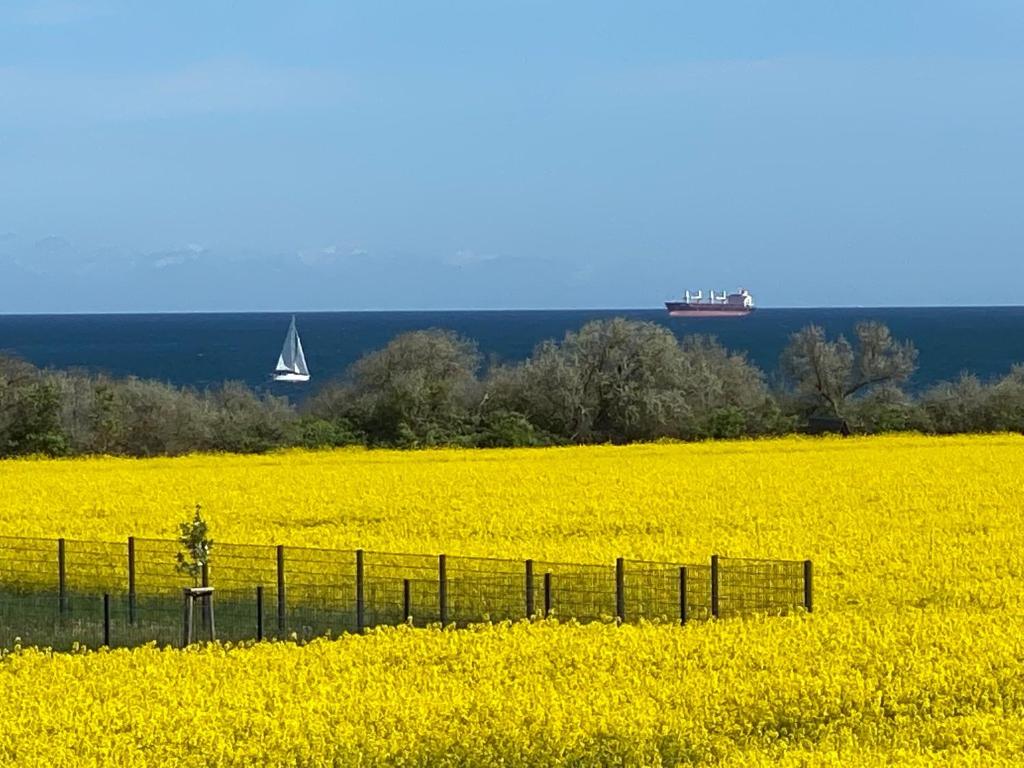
{"x": 739, "y": 304}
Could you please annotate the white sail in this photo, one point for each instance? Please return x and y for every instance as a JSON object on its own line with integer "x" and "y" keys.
{"x": 300, "y": 356}
{"x": 291, "y": 363}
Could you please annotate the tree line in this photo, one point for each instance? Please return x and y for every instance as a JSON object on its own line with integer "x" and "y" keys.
{"x": 612, "y": 381}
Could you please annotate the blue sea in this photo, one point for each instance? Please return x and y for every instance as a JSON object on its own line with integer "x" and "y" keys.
{"x": 202, "y": 350}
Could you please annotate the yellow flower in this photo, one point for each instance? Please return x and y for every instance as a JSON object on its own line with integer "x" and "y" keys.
{"x": 912, "y": 657}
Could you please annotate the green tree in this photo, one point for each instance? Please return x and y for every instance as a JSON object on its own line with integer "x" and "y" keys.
{"x": 726, "y": 395}
{"x": 421, "y": 389}
{"x": 827, "y": 374}
{"x": 30, "y": 411}
{"x": 1006, "y": 402}
{"x": 244, "y": 422}
{"x": 620, "y": 380}
{"x": 196, "y": 545}
{"x": 613, "y": 380}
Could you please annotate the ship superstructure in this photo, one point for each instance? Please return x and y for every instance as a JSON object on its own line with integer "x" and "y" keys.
{"x": 695, "y": 304}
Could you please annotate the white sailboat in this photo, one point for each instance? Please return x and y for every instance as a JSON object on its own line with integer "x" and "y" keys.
{"x": 291, "y": 365}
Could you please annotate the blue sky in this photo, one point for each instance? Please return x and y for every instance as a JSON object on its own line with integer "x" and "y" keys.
{"x": 248, "y": 156}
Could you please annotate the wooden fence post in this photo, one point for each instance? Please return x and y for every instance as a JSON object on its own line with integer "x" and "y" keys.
{"x": 406, "y": 600}
{"x": 280, "y": 589}
{"x": 208, "y": 615}
{"x": 808, "y": 586}
{"x": 62, "y": 578}
{"x": 714, "y": 586}
{"x": 442, "y": 588}
{"x": 360, "y": 592}
{"x": 131, "y": 580}
{"x": 620, "y": 590}
{"x": 547, "y": 595}
{"x": 683, "y": 609}
{"x": 259, "y": 612}
{"x": 106, "y": 619}
{"x": 529, "y": 590}
{"x": 186, "y": 624}
{"x": 205, "y": 595}
{"x": 204, "y": 582}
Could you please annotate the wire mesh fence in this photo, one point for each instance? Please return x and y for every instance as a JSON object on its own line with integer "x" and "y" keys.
{"x": 27, "y": 563}
{"x": 398, "y": 586}
{"x": 759, "y": 586}
{"x": 576, "y": 591}
{"x": 665, "y": 591}
{"x": 57, "y": 592}
{"x": 485, "y": 589}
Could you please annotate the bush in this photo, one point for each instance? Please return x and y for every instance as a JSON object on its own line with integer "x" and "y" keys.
{"x": 887, "y": 409}
{"x": 613, "y": 380}
{"x": 30, "y": 410}
{"x": 321, "y": 433}
{"x": 508, "y": 429}
{"x": 419, "y": 390}
{"x": 246, "y": 423}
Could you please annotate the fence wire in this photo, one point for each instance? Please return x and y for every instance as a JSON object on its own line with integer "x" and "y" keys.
{"x": 759, "y": 586}
{"x": 581, "y": 592}
{"x": 384, "y": 588}
{"x": 96, "y": 566}
{"x": 654, "y": 591}
{"x": 28, "y": 563}
{"x": 51, "y": 591}
{"x": 485, "y": 589}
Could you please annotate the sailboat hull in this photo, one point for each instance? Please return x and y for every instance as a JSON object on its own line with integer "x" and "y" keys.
{"x": 291, "y": 377}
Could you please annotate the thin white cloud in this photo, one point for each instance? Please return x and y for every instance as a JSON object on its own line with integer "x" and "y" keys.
{"x": 467, "y": 257}
{"x": 186, "y": 255}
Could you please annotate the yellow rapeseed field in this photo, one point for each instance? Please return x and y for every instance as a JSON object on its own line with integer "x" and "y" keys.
{"x": 914, "y": 654}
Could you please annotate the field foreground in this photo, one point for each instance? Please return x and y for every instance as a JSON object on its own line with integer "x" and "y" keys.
{"x": 913, "y": 656}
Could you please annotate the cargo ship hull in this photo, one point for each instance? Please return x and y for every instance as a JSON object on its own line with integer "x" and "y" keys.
{"x": 682, "y": 309}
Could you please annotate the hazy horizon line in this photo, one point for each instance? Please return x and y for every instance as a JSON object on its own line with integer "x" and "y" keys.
{"x": 484, "y": 309}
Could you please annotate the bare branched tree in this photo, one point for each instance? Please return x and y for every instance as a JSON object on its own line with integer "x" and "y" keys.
{"x": 826, "y": 374}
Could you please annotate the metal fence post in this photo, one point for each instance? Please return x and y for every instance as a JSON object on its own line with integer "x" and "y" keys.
{"x": 106, "y": 619}
{"x": 131, "y": 580}
{"x": 280, "y": 589}
{"x": 62, "y": 578}
{"x": 714, "y": 586}
{"x": 620, "y": 590}
{"x": 529, "y": 590}
{"x": 442, "y": 588}
{"x": 406, "y": 600}
{"x": 682, "y": 596}
{"x": 259, "y": 612}
{"x": 360, "y": 594}
{"x": 808, "y": 586}
{"x": 547, "y": 594}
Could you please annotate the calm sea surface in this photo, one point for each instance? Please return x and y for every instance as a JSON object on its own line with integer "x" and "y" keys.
{"x": 201, "y": 350}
